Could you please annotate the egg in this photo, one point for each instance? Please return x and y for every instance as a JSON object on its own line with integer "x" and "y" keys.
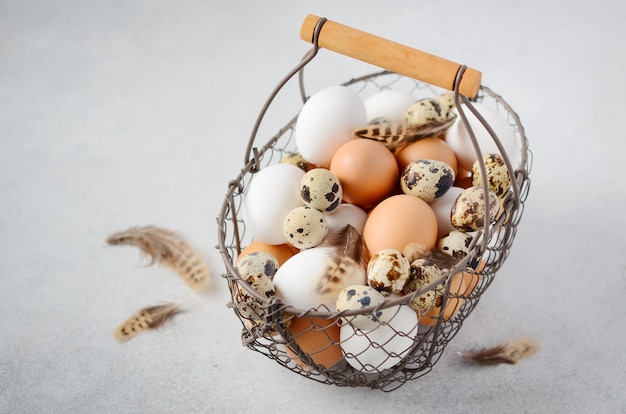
{"x": 455, "y": 244}
{"x": 446, "y": 100}
{"x": 317, "y": 338}
{"x": 457, "y": 136}
{"x": 387, "y": 271}
{"x": 346, "y": 214}
{"x": 247, "y": 305}
{"x": 387, "y": 106}
{"x": 423, "y": 273}
{"x": 305, "y": 227}
{"x": 471, "y": 281}
{"x": 367, "y": 170}
{"x": 315, "y": 277}
{"x": 321, "y": 189}
{"x": 399, "y": 220}
{"x": 298, "y": 160}
{"x": 442, "y": 207}
{"x": 453, "y": 304}
{"x": 257, "y": 262}
{"x": 427, "y": 179}
{"x": 425, "y": 111}
{"x": 281, "y": 252}
{"x": 468, "y": 211}
{"x": 432, "y": 148}
{"x": 498, "y": 177}
{"x": 463, "y": 178}
{"x": 257, "y": 269}
{"x": 373, "y": 351}
{"x": 270, "y": 196}
{"x": 326, "y": 121}
{"x": 359, "y": 297}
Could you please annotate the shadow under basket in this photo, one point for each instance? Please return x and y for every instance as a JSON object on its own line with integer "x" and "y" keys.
{"x": 320, "y": 344}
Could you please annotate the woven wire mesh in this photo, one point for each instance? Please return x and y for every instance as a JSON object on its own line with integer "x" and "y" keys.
{"x": 283, "y": 333}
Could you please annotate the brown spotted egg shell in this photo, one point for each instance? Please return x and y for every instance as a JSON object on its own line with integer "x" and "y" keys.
{"x": 305, "y": 227}
{"x": 425, "y": 111}
{"x": 456, "y": 244}
{"x": 498, "y": 177}
{"x": 257, "y": 269}
{"x": 423, "y": 273}
{"x": 257, "y": 262}
{"x": 387, "y": 271}
{"x": 427, "y": 179}
{"x": 358, "y": 297}
{"x": 321, "y": 189}
{"x": 468, "y": 211}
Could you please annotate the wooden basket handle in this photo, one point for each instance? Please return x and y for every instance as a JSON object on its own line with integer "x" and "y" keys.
{"x": 391, "y": 55}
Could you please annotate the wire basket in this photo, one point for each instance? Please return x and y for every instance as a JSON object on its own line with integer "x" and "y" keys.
{"x": 309, "y": 341}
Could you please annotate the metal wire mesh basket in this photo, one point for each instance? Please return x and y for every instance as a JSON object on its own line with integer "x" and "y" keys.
{"x": 309, "y": 341}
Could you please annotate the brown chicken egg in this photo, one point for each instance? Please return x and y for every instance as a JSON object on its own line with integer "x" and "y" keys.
{"x": 399, "y": 220}
{"x": 432, "y": 148}
{"x": 281, "y": 252}
{"x": 318, "y": 338}
{"x": 453, "y": 302}
{"x": 367, "y": 170}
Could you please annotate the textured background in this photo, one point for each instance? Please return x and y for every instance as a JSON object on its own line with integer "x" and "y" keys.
{"x": 122, "y": 113}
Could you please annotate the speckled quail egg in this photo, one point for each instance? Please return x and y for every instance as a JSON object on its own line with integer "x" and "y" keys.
{"x": 456, "y": 244}
{"x": 305, "y": 227}
{"x": 427, "y": 179}
{"x": 257, "y": 263}
{"x": 357, "y": 297}
{"x": 446, "y": 100}
{"x": 423, "y": 273}
{"x": 257, "y": 269}
{"x": 498, "y": 177}
{"x": 298, "y": 160}
{"x": 468, "y": 211}
{"x": 387, "y": 271}
{"x": 321, "y": 189}
{"x": 247, "y": 305}
{"x": 425, "y": 111}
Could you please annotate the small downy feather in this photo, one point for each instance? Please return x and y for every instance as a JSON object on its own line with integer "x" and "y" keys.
{"x": 348, "y": 242}
{"x": 167, "y": 248}
{"x": 414, "y": 251}
{"x": 148, "y": 318}
{"x": 509, "y": 352}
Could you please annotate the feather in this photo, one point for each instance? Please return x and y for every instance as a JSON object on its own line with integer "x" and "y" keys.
{"x": 506, "y": 353}
{"x": 148, "y": 318}
{"x": 348, "y": 242}
{"x": 167, "y": 248}
{"x": 414, "y": 251}
{"x": 397, "y": 136}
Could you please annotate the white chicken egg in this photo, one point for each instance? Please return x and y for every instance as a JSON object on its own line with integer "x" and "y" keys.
{"x": 388, "y": 106}
{"x": 383, "y": 347}
{"x": 272, "y": 193}
{"x": 458, "y": 137}
{"x": 346, "y": 214}
{"x": 315, "y": 277}
{"x": 442, "y": 207}
{"x": 326, "y": 121}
